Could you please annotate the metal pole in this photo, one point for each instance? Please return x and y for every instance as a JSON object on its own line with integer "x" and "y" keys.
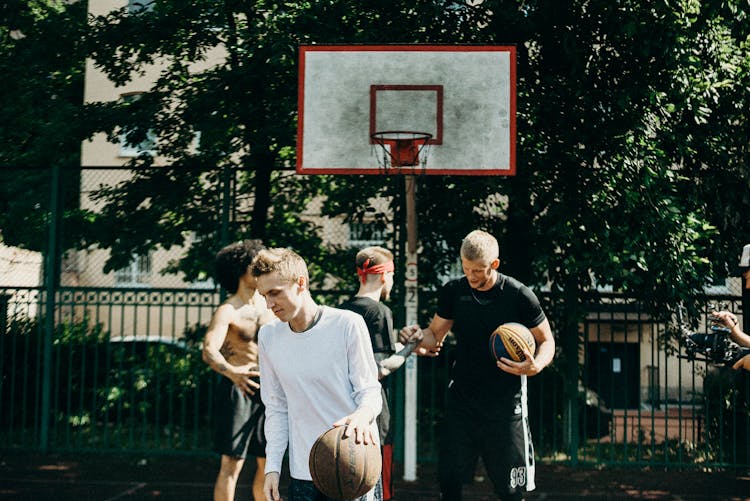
{"x": 411, "y": 304}
{"x": 50, "y": 273}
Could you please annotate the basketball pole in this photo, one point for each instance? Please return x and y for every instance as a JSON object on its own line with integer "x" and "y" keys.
{"x": 411, "y": 307}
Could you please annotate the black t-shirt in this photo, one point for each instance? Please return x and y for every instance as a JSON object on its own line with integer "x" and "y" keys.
{"x": 379, "y": 320}
{"x": 475, "y": 315}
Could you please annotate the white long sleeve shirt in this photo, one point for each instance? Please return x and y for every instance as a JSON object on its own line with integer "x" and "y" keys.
{"x": 310, "y": 380}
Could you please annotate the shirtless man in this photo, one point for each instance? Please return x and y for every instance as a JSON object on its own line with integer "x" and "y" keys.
{"x": 230, "y": 347}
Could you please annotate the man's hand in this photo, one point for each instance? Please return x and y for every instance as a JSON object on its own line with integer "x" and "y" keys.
{"x": 743, "y": 363}
{"x": 245, "y": 378}
{"x": 526, "y": 368}
{"x": 413, "y": 334}
{"x": 428, "y": 352}
{"x": 271, "y": 486}
{"x": 725, "y": 318}
{"x": 358, "y": 423}
{"x": 409, "y": 333}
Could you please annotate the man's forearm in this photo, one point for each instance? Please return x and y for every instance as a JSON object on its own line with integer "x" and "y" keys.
{"x": 395, "y": 361}
{"x": 217, "y": 362}
{"x": 739, "y": 337}
{"x": 544, "y": 354}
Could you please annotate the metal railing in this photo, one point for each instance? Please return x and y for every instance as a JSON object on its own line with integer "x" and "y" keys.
{"x": 126, "y": 374}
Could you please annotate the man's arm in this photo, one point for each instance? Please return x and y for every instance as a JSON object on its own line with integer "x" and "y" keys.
{"x": 212, "y": 343}
{"x": 729, "y": 320}
{"x": 391, "y": 364}
{"x": 534, "y": 363}
{"x": 363, "y": 376}
{"x": 432, "y": 336}
{"x": 276, "y": 424}
{"x": 743, "y": 363}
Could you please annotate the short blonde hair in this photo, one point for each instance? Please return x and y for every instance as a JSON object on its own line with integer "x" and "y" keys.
{"x": 287, "y": 263}
{"x": 480, "y": 246}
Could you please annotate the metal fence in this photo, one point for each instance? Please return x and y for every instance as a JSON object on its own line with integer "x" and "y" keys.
{"x": 116, "y": 364}
{"x": 639, "y": 402}
{"x": 125, "y": 374}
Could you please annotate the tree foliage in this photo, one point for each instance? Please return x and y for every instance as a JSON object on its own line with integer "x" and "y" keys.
{"x": 244, "y": 109}
{"x": 42, "y": 63}
{"x": 632, "y": 142}
{"x": 632, "y": 149}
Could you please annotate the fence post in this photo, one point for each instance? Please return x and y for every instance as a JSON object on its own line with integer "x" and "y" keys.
{"x": 399, "y": 382}
{"x": 571, "y": 370}
{"x": 50, "y": 274}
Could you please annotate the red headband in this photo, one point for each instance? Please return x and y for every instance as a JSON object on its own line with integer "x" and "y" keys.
{"x": 376, "y": 269}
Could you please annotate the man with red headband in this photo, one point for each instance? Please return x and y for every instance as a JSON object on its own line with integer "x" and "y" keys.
{"x": 375, "y": 271}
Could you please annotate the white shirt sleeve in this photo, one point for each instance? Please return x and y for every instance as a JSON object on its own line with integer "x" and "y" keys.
{"x": 277, "y": 420}
{"x": 363, "y": 371}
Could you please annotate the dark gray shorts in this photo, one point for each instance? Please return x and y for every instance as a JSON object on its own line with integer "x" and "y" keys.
{"x": 238, "y": 423}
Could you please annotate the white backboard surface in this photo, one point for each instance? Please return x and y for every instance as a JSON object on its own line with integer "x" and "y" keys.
{"x": 464, "y": 96}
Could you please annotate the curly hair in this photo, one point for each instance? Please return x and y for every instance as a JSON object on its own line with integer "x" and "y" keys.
{"x": 233, "y": 261}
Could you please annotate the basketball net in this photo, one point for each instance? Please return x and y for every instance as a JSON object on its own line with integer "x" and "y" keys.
{"x": 404, "y": 152}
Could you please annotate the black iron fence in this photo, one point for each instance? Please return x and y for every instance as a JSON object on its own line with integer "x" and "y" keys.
{"x": 125, "y": 373}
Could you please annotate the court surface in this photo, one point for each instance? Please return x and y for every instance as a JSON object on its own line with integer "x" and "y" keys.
{"x": 62, "y": 477}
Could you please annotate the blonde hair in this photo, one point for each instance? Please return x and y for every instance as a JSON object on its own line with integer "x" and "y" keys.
{"x": 480, "y": 246}
{"x": 287, "y": 263}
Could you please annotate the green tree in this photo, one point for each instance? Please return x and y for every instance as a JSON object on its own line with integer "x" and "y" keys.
{"x": 42, "y": 63}
{"x": 632, "y": 135}
{"x": 632, "y": 155}
{"x": 243, "y": 108}
{"x": 632, "y": 148}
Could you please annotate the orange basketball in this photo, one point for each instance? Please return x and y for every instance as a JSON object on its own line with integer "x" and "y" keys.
{"x": 341, "y": 468}
{"x": 510, "y": 339}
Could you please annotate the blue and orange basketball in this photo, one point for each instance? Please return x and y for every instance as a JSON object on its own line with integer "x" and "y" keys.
{"x": 509, "y": 340}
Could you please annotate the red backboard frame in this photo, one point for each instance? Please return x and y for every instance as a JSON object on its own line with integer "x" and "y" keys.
{"x": 508, "y": 170}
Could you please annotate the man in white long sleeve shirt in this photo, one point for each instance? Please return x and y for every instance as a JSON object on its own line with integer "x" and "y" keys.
{"x": 317, "y": 370}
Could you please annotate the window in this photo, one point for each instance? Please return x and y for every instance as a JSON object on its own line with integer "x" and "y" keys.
{"x": 366, "y": 234}
{"x": 133, "y": 150}
{"x": 136, "y": 274}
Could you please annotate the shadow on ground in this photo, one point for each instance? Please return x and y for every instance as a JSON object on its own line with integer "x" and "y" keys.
{"x": 62, "y": 477}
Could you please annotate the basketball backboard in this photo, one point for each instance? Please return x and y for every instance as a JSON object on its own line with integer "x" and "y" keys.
{"x": 461, "y": 100}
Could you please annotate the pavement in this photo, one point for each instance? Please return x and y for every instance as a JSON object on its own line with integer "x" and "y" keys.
{"x": 63, "y": 477}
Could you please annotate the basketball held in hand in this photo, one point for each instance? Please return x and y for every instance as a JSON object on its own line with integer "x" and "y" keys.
{"x": 341, "y": 468}
{"x": 509, "y": 341}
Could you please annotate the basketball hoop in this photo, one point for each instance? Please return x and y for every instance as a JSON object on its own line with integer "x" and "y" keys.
{"x": 401, "y": 148}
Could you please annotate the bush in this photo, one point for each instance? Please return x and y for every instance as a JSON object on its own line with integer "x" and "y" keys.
{"x": 101, "y": 382}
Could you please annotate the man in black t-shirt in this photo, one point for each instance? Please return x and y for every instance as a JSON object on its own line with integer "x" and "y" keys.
{"x": 375, "y": 270}
{"x": 486, "y": 408}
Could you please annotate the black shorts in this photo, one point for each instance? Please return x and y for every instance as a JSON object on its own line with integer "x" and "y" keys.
{"x": 238, "y": 423}
{"x": 501, "y": 437}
